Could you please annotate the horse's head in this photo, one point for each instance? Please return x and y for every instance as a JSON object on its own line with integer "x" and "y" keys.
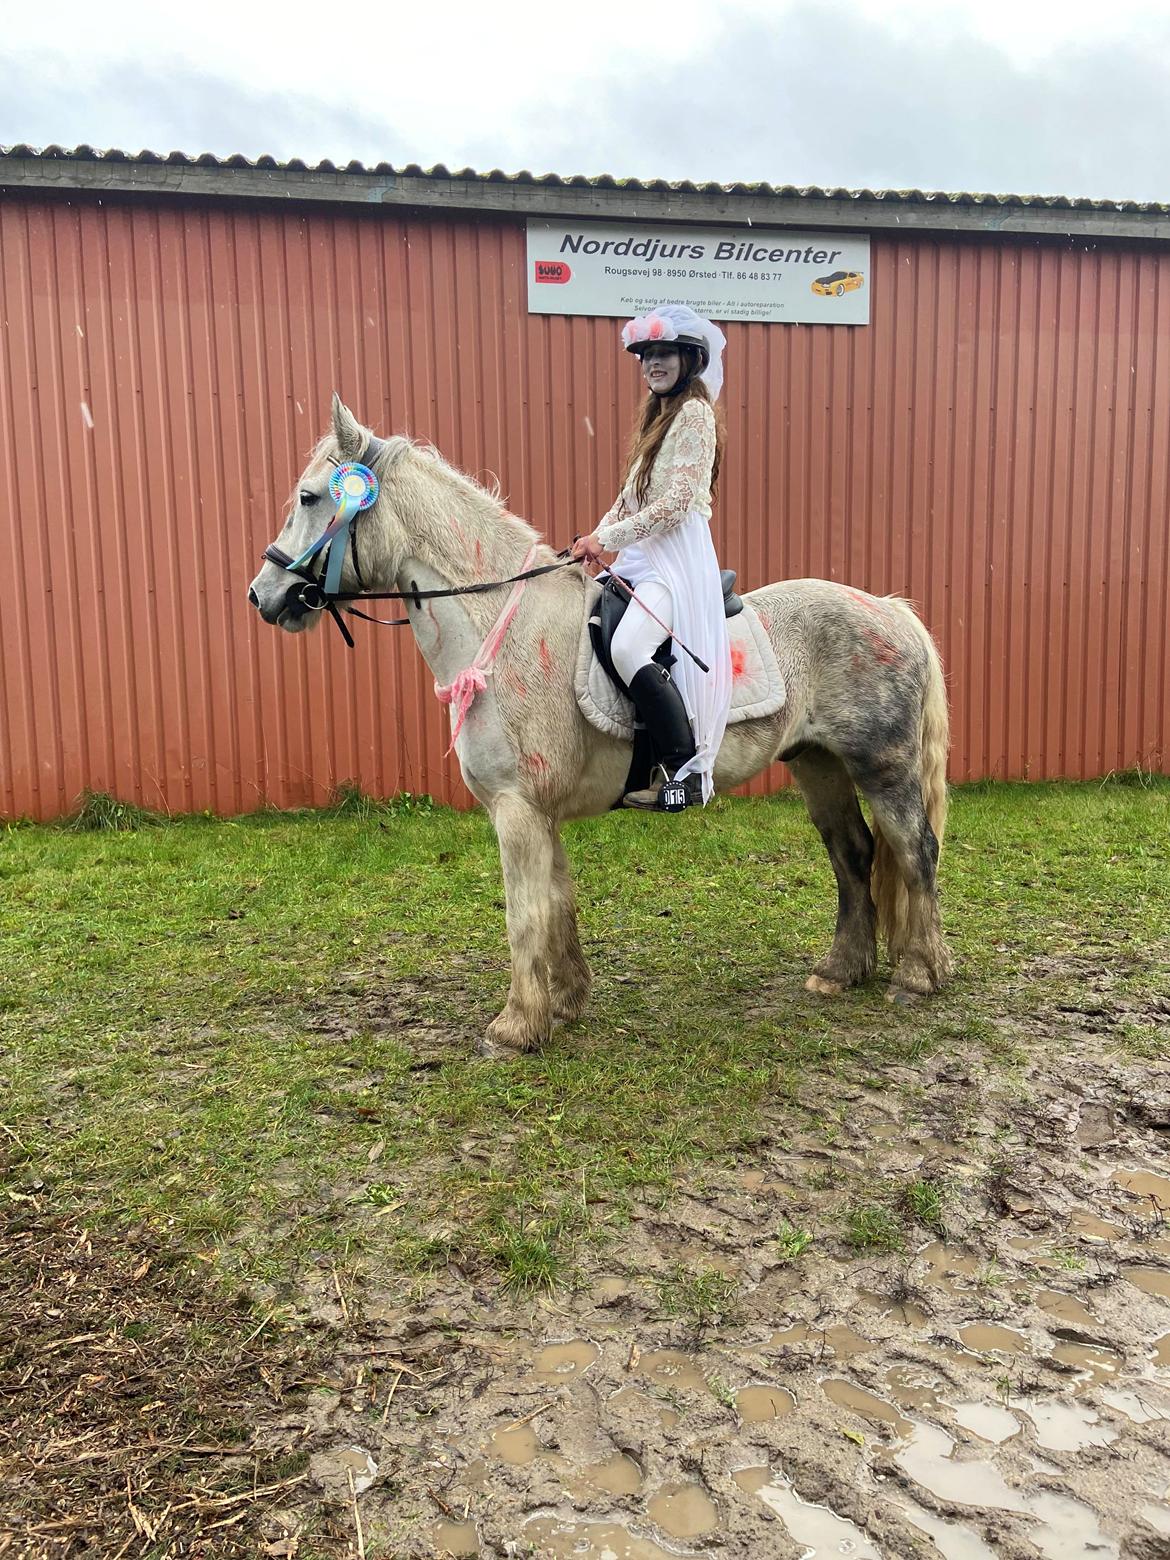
{"x": 290, "y": 593}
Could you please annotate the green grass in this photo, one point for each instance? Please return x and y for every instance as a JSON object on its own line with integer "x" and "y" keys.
{"x": 792, "y": 1242}
{"x": 925, "y": 1201}
{"x": 873, "y": 1227}
{"x": 701, "y": 1298}
{"x": 256, "y": 1035}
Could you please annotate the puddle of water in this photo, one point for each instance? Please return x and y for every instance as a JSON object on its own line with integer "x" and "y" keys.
{"x": 1069, "y": 1530}
{"x": 888, "y": 1129}
{"x": 991, "y": 1338}
{"x": 841, "y": 1340}
{"x": 752, "y": 1180}
{"x": 608, "y": 1290}
{"x": 683, "y": 1511}
{"x": 1081, "y": 1222}
{"x": 756, "y": 1404}
{"x": 1154, "y": 1281}
{"x": 941, "y": 1149}
{"x": 952, "y": 1540}
{"x": 645, "y": 1403}
{"x": 1065, "y": 1427}
{"x": 821, "y": 1530}
{"x": 751, "y": 1480}
{"x": 858, "y": 1401}
{"x": 1132, "y": 1406}
{"x": 904, "y": 1313}
{"x": 988, "y": 1421}
{"x": 565, "y": 1359}
{"x": 1095, "y": 1360}
{"x": 910, "y": 1388}
{"x": 591, "y": 1541}
{"x": 671, "y": 1368}
{"x": 1065, "y": 1307}
{"x": 928, "y": 1460}
{"x": 1157, "y": 1516}
{"x": 457, "y": 1538}
{"x": 1161, "y": 1354}
{"x": 618, "y": 1475}
{"x": 518, "y": 1445}
{"x": 1144, "y": 1183}
{"x": 947, "y": 1262}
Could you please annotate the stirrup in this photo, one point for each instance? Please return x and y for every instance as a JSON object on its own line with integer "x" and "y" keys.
{"x": 666, "y": 795}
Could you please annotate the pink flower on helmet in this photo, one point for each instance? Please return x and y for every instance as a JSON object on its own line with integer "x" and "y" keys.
{"x": 655, "y": 328}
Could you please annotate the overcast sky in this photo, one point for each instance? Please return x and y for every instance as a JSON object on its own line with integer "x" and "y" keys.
{"x": 1067, "y": 98}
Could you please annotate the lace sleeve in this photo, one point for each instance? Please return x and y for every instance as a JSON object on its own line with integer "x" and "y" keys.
{"x": 689, "y": 451}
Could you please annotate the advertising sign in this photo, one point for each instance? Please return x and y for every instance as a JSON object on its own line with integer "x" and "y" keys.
{"x": 750, "y": 273}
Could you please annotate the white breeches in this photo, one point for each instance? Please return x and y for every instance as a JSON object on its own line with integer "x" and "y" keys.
{"x": 638, "y": 635}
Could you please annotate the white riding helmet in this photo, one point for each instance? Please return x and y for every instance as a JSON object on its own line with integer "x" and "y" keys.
{"x": 676, "y": 324}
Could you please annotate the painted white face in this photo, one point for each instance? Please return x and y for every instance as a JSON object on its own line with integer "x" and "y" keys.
{"x": 661, "y": 367}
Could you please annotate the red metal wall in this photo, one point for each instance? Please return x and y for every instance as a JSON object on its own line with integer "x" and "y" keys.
{"x": 994, "y": 445}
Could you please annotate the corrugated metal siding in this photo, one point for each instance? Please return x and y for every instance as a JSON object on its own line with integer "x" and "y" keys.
{"x": 994, "y": 445}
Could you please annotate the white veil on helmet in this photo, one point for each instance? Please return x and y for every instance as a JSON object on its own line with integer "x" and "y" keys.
{"x": 668, "y": 322}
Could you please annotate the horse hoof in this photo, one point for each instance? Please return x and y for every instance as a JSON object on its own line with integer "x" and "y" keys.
{"x": 492, "y": 1051}
{"x": 825, "y": 988}
{"x": 510, "y": 1035}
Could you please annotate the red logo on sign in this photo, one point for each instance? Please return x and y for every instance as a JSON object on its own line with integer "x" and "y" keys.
{"x": 552, "y": 271}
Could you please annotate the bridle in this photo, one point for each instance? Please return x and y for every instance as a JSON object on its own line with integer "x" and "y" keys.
{"x": 319, "y": 567}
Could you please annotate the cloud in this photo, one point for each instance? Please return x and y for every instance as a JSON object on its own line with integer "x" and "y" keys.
{"x": 170, "y": 106}
{"x": 817, "y": 94}
{"x": 824, "y": 96}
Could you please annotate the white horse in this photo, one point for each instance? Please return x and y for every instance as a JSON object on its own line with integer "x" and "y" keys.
{"x": 866, "y": 711}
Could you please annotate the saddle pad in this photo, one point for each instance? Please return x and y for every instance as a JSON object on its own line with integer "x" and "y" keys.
{"x": 757, "y": 686}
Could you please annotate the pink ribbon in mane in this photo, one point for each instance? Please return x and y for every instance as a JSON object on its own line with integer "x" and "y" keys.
{"x": 473, "y": 679}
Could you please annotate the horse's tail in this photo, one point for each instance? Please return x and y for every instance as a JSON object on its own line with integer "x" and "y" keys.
{"x": 890, "y": 896}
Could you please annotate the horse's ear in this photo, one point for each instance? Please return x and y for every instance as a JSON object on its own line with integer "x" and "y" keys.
{"x": 349, "y": 433}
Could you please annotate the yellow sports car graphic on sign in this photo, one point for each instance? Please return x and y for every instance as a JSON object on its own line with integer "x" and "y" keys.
{"x": 838, "y": 282}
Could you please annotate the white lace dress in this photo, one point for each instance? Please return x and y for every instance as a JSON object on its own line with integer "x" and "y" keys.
{"x": 669, "y": 540}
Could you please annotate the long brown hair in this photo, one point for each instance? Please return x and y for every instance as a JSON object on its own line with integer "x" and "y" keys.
{"x": 654, "y": 422}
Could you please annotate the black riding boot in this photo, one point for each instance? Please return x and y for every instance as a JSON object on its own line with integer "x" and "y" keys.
{"x": 662, "y": 711}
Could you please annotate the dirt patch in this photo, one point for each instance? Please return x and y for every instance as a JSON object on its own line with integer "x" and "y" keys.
{"x": 999, "y": 1385}
{"x": 933, "y": 1320}
{"x": 129, "y": 1393}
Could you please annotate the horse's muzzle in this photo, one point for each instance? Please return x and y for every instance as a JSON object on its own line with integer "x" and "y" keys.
{"x": 288, "y": 607}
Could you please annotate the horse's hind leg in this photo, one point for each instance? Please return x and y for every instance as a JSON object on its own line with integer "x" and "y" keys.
{"x": 832, "y": 803}
{"x": 568, "y": 973}
{"x": 525, "y": 834}
{"x": 906, "y": 887}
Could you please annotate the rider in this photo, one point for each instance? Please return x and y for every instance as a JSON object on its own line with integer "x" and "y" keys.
{"x": 660, "y": 528}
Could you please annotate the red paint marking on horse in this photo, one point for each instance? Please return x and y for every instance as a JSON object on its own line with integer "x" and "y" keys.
{"x": 546, "y": 662}
{"x": 536, "y": 763}
{"x": 765, "y": 621}
{"x": 866, "y": 601}
{"x": 883, "y": 650}
{"x": 738, "y": 662}
{"x": 478, "y": 556}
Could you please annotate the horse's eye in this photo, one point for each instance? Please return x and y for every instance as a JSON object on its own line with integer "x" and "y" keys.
{"x": 308, "y": 498}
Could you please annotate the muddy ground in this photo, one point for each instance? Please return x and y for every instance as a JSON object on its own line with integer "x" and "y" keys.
{"x": 997, "y": 1388}
{"x": 999, "y": 1385}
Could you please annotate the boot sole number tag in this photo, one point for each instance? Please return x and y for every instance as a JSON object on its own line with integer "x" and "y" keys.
{"x": 674, "y": 798}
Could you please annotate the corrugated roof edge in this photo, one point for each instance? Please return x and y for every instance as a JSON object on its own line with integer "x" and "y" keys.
{"x": 320, "y": 180}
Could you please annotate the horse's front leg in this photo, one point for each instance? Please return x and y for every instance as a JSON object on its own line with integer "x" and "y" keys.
{"x": 526, "y": 854}
{"x": 568, "y": 973}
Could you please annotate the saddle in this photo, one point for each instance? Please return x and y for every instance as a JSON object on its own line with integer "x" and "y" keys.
{"x": 757, "y": 685}
{"x": 610, "y": 608}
